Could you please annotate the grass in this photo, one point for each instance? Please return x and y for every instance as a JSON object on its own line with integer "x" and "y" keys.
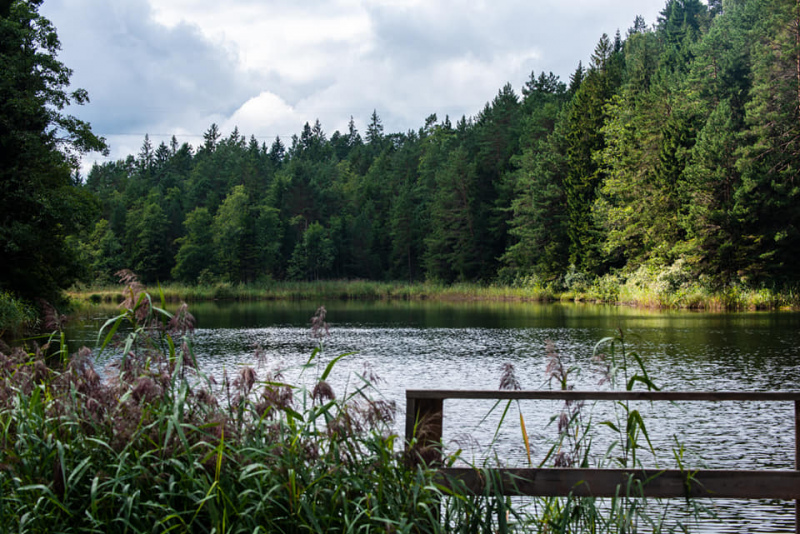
{"x": 159, "y": 448}
{"x": 156, "y": 446}
{"x": 16, "y": 315}
{"x": 331, "y": 289}
{"x": 672, "y": 288}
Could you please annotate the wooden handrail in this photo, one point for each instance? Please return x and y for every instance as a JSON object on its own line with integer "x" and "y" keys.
{"x": 603, "y": 395}
{"x": 424, "y": 417}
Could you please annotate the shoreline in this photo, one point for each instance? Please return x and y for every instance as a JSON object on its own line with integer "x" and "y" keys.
{"x": 697, "y": 299}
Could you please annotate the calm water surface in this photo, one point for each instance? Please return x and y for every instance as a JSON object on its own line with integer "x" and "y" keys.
{"x": 463, "y": 345}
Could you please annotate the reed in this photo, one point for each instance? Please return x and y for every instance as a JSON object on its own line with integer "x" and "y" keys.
{"x": 577, "y": 430}
{"x": 328, "y": 289}
{"x": 159, "y": 446}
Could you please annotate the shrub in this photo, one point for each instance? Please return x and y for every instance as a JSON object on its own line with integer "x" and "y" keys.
{"x": 15, "y": 315}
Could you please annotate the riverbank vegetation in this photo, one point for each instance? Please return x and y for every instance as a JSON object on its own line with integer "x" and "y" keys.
{"x": 653, "y": 290}
{"x": 134, "y": 436}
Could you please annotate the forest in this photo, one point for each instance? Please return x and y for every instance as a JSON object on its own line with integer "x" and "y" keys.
{"x": 675, "y": 149}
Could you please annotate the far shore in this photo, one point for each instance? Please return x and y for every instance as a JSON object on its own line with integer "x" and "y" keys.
{"x": 692, "y": 298}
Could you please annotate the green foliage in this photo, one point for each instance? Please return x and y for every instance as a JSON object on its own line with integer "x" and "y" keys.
{"x": 767, "y": 199}
{"x": 453, "y": 247}
{"x": 40, "y": 145}
{"x": 229, "y": 233}
{"x": 148, "y": 248}
{"x": 586, "y": 115}
{"x": 156, "y": 445}
{"x": 314, "y": 255}
{"x": 107, "y": 255}
{"x": 678, "y": 143}
{"x": 539, "y": 222}
{"x": 196, "y": 253}
{"x": 15, "y": 315}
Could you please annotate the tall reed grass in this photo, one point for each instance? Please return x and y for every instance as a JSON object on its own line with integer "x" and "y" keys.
{"x": 156, "y": 446}
{"x": 576, "y": 435}
{"x": 151, "y": 444}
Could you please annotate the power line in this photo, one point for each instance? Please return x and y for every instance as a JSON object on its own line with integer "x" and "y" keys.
{"x": 176, "y": 135}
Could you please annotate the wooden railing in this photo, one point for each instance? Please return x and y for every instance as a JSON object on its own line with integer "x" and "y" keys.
{"x": 424, "y": 417}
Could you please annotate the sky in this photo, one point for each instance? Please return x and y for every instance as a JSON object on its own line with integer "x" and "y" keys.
{"x": 174, "y": 67}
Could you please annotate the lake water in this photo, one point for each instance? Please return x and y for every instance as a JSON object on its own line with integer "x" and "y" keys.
{"x": 415, "y": 345}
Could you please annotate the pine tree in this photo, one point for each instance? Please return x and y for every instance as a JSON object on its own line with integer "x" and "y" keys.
{"x": 230, "y": 235}
{"x": 584, "y": 139}
{"x": 769, "y": 198}
{"x": 196, "y": 253}
{"x": 375, "y": 130}
{"x": 452, "y": 249}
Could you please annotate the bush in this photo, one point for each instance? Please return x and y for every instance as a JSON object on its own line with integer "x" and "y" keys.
{"x": 15, "y": 315}
{"x": 576, "y": 281}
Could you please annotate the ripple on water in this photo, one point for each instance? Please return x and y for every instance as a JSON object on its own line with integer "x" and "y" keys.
{"x": 683, "y": 352}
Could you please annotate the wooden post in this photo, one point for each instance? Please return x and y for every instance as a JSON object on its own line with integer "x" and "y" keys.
{"x": 797, "y": 461}
{"x": 424, "y": 418}
{"x": 424, "y": 422}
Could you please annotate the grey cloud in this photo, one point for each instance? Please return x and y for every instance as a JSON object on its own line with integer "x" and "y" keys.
{"x": 416, "y": 38}
{"x": 565, "y": 32}
{"x": 139, "y": 73}
{"x": 142, "y": 76}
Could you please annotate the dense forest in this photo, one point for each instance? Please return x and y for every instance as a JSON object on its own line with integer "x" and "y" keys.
{"x": 677, "y": 146}
{"x": 675, "y": 149}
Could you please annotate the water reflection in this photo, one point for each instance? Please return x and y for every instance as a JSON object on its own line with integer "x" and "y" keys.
{"x": 463, "y": 345}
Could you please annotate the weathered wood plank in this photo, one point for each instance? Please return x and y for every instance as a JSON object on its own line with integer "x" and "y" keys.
{"x": 424, "y": 419}
{"x": 427, "y": 405}
{"x": 604, "y": 395}
{"x": 714, "y": 483}
{"x": 797, "y": 461}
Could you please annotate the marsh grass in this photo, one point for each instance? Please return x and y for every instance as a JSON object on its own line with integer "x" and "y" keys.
{"x": 665, "y": 290}
{"x": 150, "y": 444}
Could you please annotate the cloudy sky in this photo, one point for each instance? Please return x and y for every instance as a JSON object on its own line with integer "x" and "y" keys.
{"x": 167, "y": 67}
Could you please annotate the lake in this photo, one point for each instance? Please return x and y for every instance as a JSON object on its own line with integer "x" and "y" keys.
{"x": 445, "y": 345}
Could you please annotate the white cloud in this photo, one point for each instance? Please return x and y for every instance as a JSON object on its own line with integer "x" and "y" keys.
{"x": 292, "y": 40}
{"x": 265, "y": 115}
{"x": 269, "y": 66}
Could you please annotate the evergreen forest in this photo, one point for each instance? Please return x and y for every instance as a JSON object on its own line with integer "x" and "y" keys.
{"x": 675, "y": 149}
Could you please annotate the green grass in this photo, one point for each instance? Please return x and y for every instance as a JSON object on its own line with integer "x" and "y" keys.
{"x": 159, "y": 447}
{"x": 328, "y": 289}
{"x": 663, "y": 289}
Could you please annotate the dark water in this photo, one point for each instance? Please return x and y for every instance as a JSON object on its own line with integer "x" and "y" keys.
{"x": 463, "y": 345}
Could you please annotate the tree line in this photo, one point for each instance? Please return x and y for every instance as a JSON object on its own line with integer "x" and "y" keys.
{"x": 676, "y": 147}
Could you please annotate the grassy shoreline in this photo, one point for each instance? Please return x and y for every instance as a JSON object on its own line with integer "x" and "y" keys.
{"x": 606, "y": 290}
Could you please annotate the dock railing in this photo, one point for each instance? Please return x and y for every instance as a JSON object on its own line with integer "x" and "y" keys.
{"x": 425, "y": 415}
